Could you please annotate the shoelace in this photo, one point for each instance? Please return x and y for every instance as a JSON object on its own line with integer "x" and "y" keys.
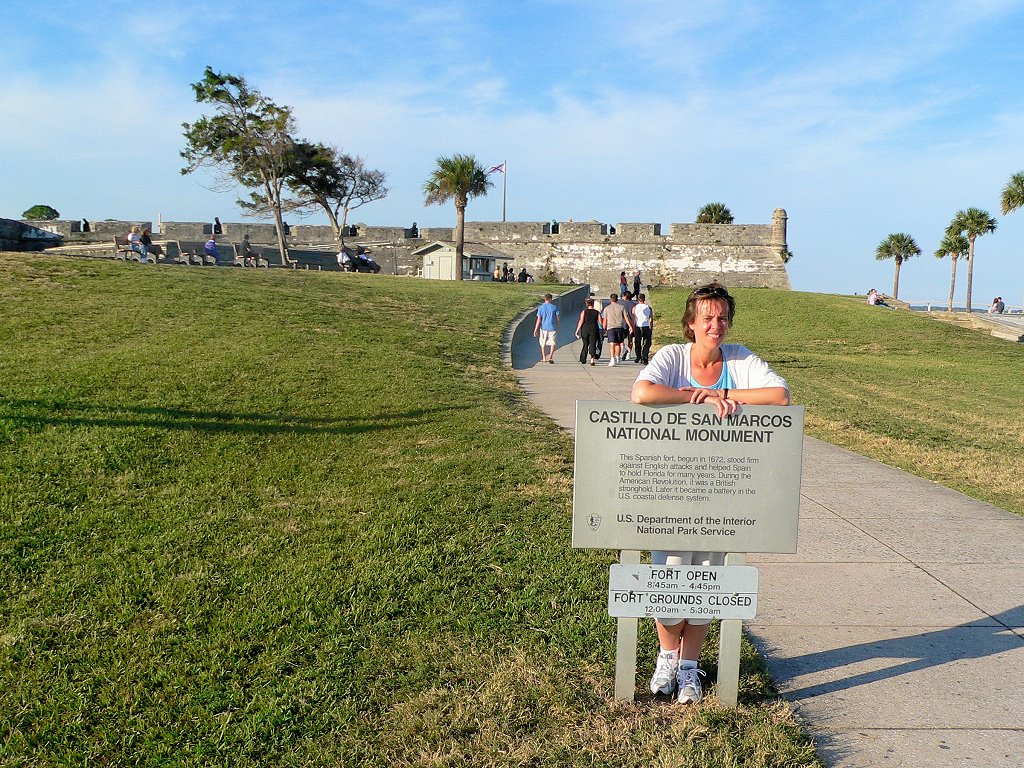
{"x": 691, "y": 676}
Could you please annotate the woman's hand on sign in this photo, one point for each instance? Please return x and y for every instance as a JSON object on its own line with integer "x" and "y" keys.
{"x": 716, "y": 397}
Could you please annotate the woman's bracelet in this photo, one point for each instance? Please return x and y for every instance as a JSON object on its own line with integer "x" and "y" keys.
{"x": 726, "y": 393}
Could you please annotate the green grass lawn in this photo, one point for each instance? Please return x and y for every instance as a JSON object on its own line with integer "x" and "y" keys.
{"x": 296, "y": 518}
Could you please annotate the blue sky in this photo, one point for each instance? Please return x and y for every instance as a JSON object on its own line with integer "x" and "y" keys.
{"x": 860, "y": 119}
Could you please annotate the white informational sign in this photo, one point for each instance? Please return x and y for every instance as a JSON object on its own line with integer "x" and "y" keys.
{"x": 683, "y": 591}
{"x": 679, "y": 477}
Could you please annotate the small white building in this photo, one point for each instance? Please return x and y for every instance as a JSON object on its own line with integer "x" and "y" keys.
{"x": 479, "y": 261}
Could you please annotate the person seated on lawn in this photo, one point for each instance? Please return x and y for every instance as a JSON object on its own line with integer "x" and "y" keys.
{"x": 876, "y": 299}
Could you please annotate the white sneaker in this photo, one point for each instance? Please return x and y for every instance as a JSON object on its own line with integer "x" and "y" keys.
{"x": 665, "y": 672}
{"x": 688, "y": 682}
{"x": 611, "y": 362}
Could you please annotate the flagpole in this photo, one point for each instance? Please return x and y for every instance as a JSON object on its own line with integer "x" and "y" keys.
{"x": 504, "y": 188}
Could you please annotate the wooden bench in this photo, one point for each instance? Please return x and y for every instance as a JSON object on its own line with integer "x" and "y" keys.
{"x": 124, "y": 251}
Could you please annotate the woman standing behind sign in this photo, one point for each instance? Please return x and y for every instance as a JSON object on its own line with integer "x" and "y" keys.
{"x": 706, "y": 370}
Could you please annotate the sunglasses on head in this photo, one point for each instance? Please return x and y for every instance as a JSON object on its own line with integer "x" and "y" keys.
{"x": 716, "y": 292}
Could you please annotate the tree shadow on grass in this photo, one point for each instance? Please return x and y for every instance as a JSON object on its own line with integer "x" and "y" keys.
{"x": 40, "y": 413}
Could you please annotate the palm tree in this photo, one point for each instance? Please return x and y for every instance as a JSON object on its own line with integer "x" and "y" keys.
{"x": 972, "y": 222}
{"x": 954, "y": 246}
{"x": 1013, "y": 193}
{"x": 714, "y": 213}
{"x": 458, "y": 177}
{"x": 899, "y": 247}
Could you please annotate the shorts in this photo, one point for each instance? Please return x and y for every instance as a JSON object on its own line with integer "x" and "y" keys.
{"x": 616, "y": 335}
{"x": 547, "y": 338}
{"x": 686, "y": 558}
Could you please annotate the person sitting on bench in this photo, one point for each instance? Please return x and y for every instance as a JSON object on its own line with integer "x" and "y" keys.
{"x": 210, "y": 249}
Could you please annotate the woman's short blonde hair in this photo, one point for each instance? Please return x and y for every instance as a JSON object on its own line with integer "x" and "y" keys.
{"x": 714, "y": 291}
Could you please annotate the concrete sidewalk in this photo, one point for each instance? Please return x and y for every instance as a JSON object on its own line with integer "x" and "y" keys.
{"x": 897, "y": 629}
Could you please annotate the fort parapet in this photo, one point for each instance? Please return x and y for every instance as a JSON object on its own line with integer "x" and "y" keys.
{"x": 745, "y": 255}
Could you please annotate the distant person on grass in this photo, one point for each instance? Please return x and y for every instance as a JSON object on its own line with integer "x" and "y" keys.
{"x": 546, "y": 326}
{"x": 706, "y": 370}
{"x": 616, "y": 323}
{"x": 875, "y": 299}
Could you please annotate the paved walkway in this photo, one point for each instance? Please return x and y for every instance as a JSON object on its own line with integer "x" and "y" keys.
{"x": 897, "y": 629}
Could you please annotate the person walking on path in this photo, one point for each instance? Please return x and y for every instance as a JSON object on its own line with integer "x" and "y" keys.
{"x": 623, "y": 284}
{"x": 616, "y": 323}
{"x": 588, "y": 330}
{"x": 636, "y": 283}
{"x": 627, "y": 306}
{"x": 706, "y": 370}
{"x": 546, "y": 326}
{"x": 599, "y": 306}
{"x": 643, "y": 333}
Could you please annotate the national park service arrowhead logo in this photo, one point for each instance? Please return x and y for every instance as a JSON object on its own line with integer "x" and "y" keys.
{"x": 594, "y": 521}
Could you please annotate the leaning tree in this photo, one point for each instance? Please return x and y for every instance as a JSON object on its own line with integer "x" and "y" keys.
{"x": 249, "y": 140}
{"x": 955, "y": 246}
{"x": 899, "y": 247}
{"x": 458, "y": 178}
{"x": 714, "y": 213}
{"x": 972, "y": 223}
{"x": 324, "y": 177}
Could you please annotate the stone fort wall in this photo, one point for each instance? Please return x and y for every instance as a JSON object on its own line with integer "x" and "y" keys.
{"x": 744, "y": 255}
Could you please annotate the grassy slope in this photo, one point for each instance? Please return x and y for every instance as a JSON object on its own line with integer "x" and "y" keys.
{"x": 298, "y": 518}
